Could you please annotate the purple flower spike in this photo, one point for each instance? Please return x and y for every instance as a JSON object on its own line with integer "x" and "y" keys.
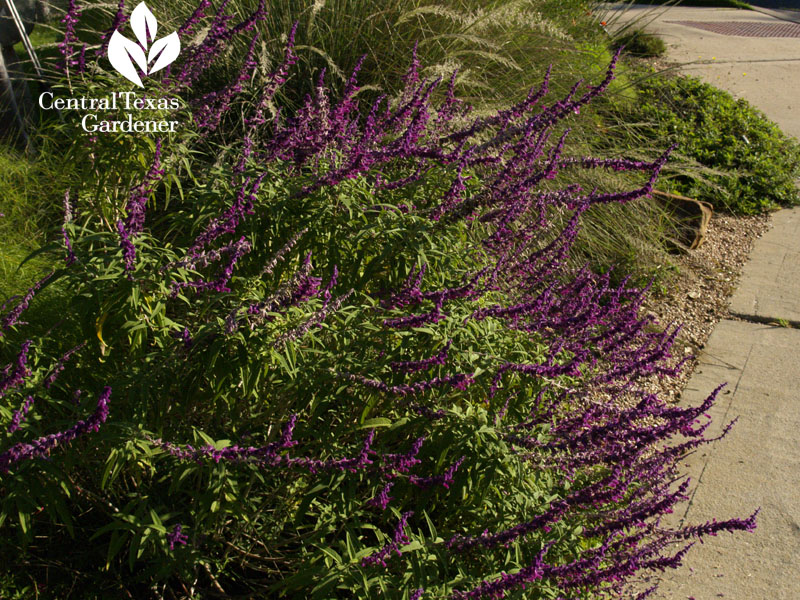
{"x": 42, "y": 446}
{"x": 67, "y": 46}
{"x": 119, "y": 20}
{"x": 383, "y": 498}
{"x": 713, "y": 527}
{"x": 176, "y": 536}
{"x": 12, "y": 317}
{"x": 444, "y": 479}
{"x": 19, "y": 415}
{"x": 384, "y": 554}
{"x": 498, "y": 587}
{"x": 12, "y": 377}
{"x": 413, "y": 366}
{"x": 51, "y": 378}
{"x": 133, "y": 224}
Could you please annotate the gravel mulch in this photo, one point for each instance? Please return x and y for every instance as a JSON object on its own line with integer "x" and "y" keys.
{"x": 699, "y": 296}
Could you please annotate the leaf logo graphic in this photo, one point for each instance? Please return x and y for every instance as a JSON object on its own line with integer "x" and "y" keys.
{"x": 123, "y": 53}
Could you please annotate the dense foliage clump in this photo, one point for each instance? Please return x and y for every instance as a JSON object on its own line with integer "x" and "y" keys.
{"x": 751, "y": 166}
{"x": 337, "y": 353}
{"x": 640, "y": 43}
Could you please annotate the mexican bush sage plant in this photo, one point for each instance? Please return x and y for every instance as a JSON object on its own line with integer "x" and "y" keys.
{"x": 348, "y": 357}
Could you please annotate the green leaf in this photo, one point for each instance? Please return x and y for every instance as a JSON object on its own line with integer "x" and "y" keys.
{"x": 331, "y": 553}
{"x": 24, "y": 520}
{"x": 375, "y": 422}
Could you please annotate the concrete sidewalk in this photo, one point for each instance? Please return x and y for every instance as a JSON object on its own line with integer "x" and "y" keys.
{"x": 758, "y": 463}
{"x": 763, "y": 70}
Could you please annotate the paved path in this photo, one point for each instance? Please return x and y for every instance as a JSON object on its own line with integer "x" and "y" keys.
{"x": 758, "y": 463}
{"x": 763, "y": 70}
{"x": 769, "y": 289}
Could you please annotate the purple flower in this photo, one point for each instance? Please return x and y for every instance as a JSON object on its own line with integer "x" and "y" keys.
{"x": 383, "y": 498}
{"x": 42, "y": 446}
{"x": 235, "y": 251}
{"x": 12, "y": 317}
{"x": 459, "y": 381}
{"x": 194, "y": 18}
{"x": 498, "y": 587}
{"x": 399, "y": 537}
{"x": 412, "y": 366}
{"x": 51, "y": 378}
{"x": 66, "y": 46}
{"x": 119, "y": 20}
{"x": 401, "y": 463}
{"x": 13, "y": 376}
{"x": 176, "y": 536}
{"x": 445, "y": 479}
{"x": 315, "y": 320}
{"x": 19, "y": 415}
{"x": 713, "y": 527}
{"x": 211, "y": 108}
{"x": 133, "y": 224}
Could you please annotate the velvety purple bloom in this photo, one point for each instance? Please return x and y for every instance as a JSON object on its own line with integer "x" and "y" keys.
{"x": 19, "y": 415}
{"x": 197, "y": 15}
{"x": 176, "y": 536}
{"x": 59, "y": 366}
{"x": 269, "y": 454}
{"x": 597, "y": 494}
{"x": 13, "y": 375}
{"x": 713, "y": 527}
{"x": 458, "y": 381}
{"x": 352, "y": 465}
{"x": 235, "y": 251}
{"x": 402, "y": 463}
{"x": 302, "y": 287}
{"x": 230, "y": 219}
{"x": 12, "y": 317}
{"x": 498, "y": 587}
{"x": 206, "y": 257}
{"x": 417, "y": 320}
{"x": 42, "y": 446}
{"x": 382, "y": 499}
{"x": 72, "y": 57}
{"x": 398, "y": 538}
{"x": 209, "y": 110}
{"x": 445, "y": 479}
{"x": 133, "y": 224}
{"x": 412, "y": 366}
{"x": 198, "y": 58}
{"x": 315, "y": 320}
{"x": 272, "y": 455}
{"x": 119, "y": 20}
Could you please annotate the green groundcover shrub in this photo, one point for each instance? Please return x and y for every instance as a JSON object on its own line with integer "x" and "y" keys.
{"x": 751, "y": 165}
{"x": 334, "y": 353}
{"x": 640, "y": 43}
